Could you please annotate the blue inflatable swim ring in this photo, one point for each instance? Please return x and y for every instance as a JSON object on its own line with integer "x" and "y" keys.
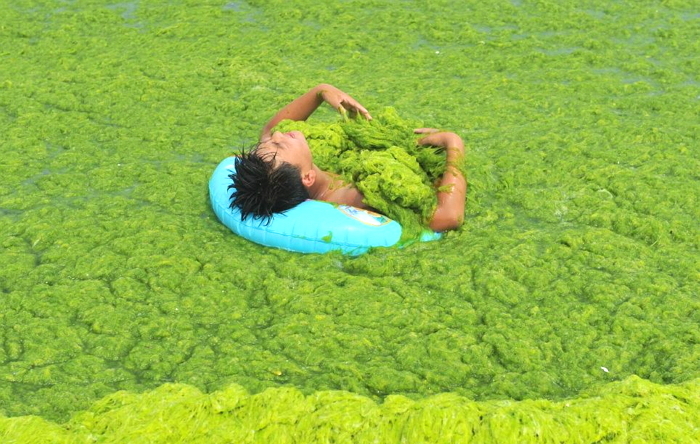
{"x": 311, "y": 227}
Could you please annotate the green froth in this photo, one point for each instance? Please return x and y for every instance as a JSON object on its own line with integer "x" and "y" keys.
{"x": 579, "y": 251}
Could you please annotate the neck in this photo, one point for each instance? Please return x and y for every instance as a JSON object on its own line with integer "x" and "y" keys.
{"x": 319, "y": 189}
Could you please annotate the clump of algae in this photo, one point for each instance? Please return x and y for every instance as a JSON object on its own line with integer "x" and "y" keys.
{"x": 630, "y": 411}
{"x": 383, "y": 159}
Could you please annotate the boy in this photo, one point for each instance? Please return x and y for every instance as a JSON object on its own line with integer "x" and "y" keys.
{"x": 279, "y": 173}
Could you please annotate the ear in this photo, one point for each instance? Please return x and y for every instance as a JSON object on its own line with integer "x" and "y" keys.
{"x": 309, "y": 178}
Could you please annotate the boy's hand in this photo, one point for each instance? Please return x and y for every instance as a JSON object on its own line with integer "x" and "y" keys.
{"x": 341, "y": 101}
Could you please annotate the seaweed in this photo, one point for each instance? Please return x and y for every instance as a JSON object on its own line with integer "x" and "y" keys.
{"x": 382, "y": 159}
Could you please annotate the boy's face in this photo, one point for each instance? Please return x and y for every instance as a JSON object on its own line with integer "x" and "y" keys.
{"x": 288, "y": 147}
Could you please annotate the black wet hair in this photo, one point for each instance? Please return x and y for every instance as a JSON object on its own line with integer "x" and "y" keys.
{"x": 261, "y": 189}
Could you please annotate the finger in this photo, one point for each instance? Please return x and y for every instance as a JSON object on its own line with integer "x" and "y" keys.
{"x": 364, "y": 112}
{"x": 425, "y": 130}
{"x": 350, "y": 104}
{"x": 360, "y": 108}
{"x": 353, "y": 105}
{"x": 430, "y": 139}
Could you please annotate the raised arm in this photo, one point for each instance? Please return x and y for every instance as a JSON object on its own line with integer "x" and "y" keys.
{"x": 452, "y": 188}
{"x": 302, "y": 107}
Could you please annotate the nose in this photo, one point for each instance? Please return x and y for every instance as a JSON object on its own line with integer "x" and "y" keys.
{"x": 271, "y": 137}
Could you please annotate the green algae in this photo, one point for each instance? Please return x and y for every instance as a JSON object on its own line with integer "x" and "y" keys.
{"x": 382, "y": 159}
{"x": 629, "y": 411}
{"x": 579, "y": 251}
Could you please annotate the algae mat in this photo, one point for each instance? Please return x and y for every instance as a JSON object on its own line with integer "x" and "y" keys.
{"x": 577, "y": 266}
{"x": 633, "y": 410}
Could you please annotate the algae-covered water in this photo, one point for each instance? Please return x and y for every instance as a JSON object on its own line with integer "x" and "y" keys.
{"x": 577, "y": 265}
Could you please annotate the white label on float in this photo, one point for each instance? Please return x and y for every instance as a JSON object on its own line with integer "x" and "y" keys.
{"x": 364, "y": 216}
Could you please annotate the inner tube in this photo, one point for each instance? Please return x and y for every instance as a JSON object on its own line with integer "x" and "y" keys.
{"x": 311, "y": 227}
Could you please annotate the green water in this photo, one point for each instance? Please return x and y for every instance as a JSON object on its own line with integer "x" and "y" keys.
{"x": 577, "y": 265}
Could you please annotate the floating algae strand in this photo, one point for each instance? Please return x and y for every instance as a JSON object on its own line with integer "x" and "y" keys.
{"x": 382, "y": 158}
{"x": 630, "y": 411}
